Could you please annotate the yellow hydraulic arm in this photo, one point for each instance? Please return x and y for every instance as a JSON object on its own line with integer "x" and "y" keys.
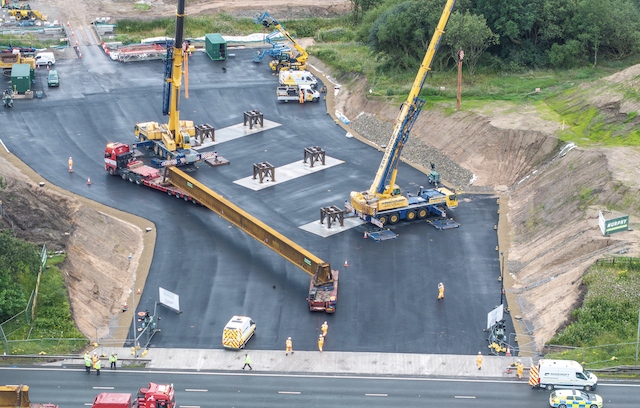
{"x": 175, "y": 81}
{"x": 383, "y": 186}
{"x": 292, "y": 252}
{"x": 303, "y": 56}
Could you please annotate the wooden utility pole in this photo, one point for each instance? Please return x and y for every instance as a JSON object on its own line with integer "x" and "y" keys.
{"x": 460, "y": 57}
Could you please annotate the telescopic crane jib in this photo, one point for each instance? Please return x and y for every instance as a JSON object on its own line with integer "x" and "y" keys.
{"x": 384, "y": 195}
{"x": 298, "y": 62}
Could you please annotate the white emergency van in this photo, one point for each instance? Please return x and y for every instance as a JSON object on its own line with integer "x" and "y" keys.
{"x": 293, "y": 77}
{"x": 237, "y": 332}
{"x": 563, "y": 374}
{"x": 45, "y": 58}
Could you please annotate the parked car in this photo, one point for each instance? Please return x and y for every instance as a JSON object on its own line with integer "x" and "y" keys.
{"x": 574, "y": 398}
{"x": 53, "y": 79}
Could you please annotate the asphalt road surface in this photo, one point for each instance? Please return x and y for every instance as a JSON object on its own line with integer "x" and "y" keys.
{"x": 73, "y": 388}
{"x": 387, "y": 296}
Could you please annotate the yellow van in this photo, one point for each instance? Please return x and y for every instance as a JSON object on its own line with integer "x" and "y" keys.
{"x": 237, "y": 332}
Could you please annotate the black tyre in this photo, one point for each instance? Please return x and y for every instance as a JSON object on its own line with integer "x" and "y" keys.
{"x": 124, "y": 176}
{"x": 411, "y": 215}
{"x": 186, "y": 198}
{"x": 422, "y": 213}
{"x": 383, "y": 219}
{"x": 130, "y": 178}
{"x": 394, "y": 218}
{"x": 562, "y": 406}
{"x": 588, "y": 388}
{"x": 549, "y": 387}
{"x": 112, "y": 171}
{"x": 593, "y": 406}
{"x": 138, "y": 180}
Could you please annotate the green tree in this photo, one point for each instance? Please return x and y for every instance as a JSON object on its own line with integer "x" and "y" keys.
{"x": 19, "y": 265}
{"x": 470, "y": 33}
{"x": 403, "y": 32}
{"x": 360, "y": 7}
{"x": 590, "y": 23}
{"x": 623, "y": 35}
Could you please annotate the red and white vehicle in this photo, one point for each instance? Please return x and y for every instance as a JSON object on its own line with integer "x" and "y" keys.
{"x": 119, "y": 160}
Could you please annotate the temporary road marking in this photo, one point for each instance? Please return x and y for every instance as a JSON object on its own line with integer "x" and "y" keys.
{"x": 103, "y": 388}
{"x": 376, "y": 395}
{"x": 195, "y": 390}
{"x": 289, "y": 392}
{"x": 465, "y": 396}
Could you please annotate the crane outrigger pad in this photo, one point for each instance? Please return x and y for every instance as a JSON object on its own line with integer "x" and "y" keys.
{"x": 443, "y": 223}
{"x": 382, "y": 235}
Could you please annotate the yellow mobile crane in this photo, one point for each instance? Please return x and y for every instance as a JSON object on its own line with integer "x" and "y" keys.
{"x": 172, "y": 140}
{"x": 285, "y": 61}
{"x": 384, "y": 203}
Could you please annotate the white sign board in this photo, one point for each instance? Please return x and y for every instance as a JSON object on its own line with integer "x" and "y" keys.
{"x": 495, "y": 316}
{"x": 169, "y": 299}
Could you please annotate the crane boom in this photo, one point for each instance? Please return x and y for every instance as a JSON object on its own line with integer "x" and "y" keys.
{"x": 384, "y": 194}
{"x": 301, "y": 59}
{"x": 175, "y": 75}
{"x": 386, "y": 175}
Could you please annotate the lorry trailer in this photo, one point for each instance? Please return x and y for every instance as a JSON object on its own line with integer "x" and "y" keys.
{"x": 152, "y": 396}
{"x": 17, "y": 396}
{"x": 120, "y": 161}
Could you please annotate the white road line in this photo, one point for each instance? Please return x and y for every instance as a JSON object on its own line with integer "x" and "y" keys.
{"x": 103, "y": 388}
{"x": 289, "y": 392}
{"x": 465, "y": 396}
{"x": 376, "y": 395}
{"x": 195, "y": 390}
{"x": 189, "y": 406}
{"x": 88, "y": 404}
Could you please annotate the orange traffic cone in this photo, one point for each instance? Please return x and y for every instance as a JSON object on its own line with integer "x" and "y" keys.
{"x": 125, "y": 307}
{"x": 139, "y": 292}
{"x": 508, "y": 353}
{"x": 88, "y": 181}
{"x": 366, "y": 235}
{"x": 346, "y": 264}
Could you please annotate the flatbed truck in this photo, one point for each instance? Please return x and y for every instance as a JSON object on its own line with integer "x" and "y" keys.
{"x": 120, "y": 161}
{"x": 286, "y": 93}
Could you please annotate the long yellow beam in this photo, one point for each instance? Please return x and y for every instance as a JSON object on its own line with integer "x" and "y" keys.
{"x": 280, "y": 244}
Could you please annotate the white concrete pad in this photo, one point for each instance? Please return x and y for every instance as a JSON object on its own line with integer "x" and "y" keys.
{"x": 236, "y": 132}
{"x": 288, "y": 172}
{"x": 321, "y": 229}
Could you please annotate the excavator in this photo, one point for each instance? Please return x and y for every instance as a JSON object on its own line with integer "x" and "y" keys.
{"x": 384, "y": 203}
{"x": 172, "y": 141}
{"x": 284, "y": 60}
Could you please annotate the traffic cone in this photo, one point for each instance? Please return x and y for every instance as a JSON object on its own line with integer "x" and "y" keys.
{"x": 346, "y": 264}
{"x": 366, "y": 235}
{"x": 508, "y": 354}
{"x": 139, "y": 292}
{"x": 125, "y": 307}
{"x": 88, "y": 181}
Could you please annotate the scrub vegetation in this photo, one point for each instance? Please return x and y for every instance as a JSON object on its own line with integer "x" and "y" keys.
{"x": 608, "y": 317}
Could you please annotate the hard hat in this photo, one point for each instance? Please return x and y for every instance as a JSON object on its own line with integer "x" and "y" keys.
{"x": 479, "y": 352}
{"x": 289, "y": 338}
{"x": 325, "y": 322}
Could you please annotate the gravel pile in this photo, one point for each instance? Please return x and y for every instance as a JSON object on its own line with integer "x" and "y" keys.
{"x": 416, "y": 151}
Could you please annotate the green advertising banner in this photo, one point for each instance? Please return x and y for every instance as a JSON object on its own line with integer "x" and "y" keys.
{"x": 616, "y": 225}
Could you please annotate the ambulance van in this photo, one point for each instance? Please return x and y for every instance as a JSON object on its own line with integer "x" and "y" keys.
{"x": 553, "y": 374}
{"x": 237, "y": 332}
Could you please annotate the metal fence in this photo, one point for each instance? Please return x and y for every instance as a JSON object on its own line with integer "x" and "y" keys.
{"x": 620, "y": 262}
{"x": 604, "y": 356}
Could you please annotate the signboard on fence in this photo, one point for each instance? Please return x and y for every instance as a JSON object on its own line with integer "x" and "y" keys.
{"x": 613, "y": 225}
{"x": 169, "y": 299}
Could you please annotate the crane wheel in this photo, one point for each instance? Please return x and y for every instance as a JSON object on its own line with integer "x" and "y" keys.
{"x": 383, "y": 219}
{"x": 394, "y": 218}
{"x": 411, "y": 215}
{"x": 422, "y": 213}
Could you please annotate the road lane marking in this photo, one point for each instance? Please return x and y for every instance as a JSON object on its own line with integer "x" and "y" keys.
{"x": 103, "y": 388}
{"x": 189, "y": 406}
{"x": 195, "y": 390}
{"x": 289, "y": 392}
{"x": 376, "y": 395}
{"x": 465, "y": 396}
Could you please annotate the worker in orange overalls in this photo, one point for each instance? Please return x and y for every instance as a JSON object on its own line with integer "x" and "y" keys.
{"x": 70, "y": 165}
{"x": 301, "y": 95}
{"x": 289, "y": 347}
{"x": 320, "y": 342}
{"x": 519, "y": 368}
{"x": 324, "y": 328}
{"x": 479, "y": 360}
{"x": 440, "y": 290}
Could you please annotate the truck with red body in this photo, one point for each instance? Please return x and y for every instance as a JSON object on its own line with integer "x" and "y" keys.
{"x": 17, "y": 396}
{"x": 152, "y": 396}
{"x": 119, "y": 160}
{"x": 324, "y": 296}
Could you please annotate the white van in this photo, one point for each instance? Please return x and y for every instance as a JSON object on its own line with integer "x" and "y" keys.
{"x": 45, "y": 58}
{"x": 293, "y": 77}
{"x": 562, "y": 374}
{"x": 237, "y": 332}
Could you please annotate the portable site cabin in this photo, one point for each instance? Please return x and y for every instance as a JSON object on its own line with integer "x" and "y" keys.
{"x": 216, "y": 47}
{"x": 21, "y": 76}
